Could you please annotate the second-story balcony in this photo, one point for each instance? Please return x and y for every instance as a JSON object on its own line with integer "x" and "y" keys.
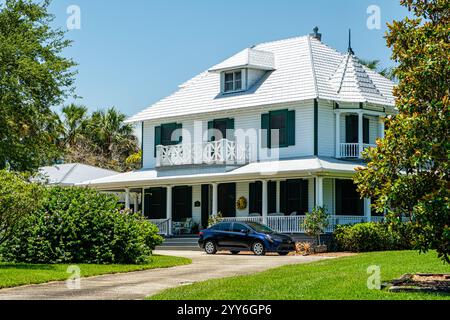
{"x": 360, "y": 129}
{"x": 353, "y": 150}
{"x": 221, "y": 152}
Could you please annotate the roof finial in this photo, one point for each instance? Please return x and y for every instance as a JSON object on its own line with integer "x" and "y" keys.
{"x": 350, "y": 50}
{"x": 316, "y": 34}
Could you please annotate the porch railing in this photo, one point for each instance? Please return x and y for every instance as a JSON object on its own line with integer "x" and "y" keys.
{"x": 351, "y": 150}
{"x": 294, "y": 224}
{"x": 216, "y": 152}
{"x": 163, "y": 226}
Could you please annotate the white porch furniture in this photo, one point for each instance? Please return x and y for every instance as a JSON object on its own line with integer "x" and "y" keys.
{"x": 184, "y": 226}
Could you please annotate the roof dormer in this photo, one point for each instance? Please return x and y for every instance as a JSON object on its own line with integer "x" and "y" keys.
{"x": 244, "y": 69}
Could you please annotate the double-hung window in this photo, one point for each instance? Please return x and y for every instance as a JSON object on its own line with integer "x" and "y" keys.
{"x": 232, "y": 81}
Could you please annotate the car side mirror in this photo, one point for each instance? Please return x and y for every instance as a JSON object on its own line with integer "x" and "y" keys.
{"x": 246, "y": 231}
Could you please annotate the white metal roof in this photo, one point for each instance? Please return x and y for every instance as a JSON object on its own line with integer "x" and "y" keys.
{"x": 247, "y": 58}
{"x": 305, "y": 69}
{"x": 71, "y": 174}
{"x": 259, "y": 170}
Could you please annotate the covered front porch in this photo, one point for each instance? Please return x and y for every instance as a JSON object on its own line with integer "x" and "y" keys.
{"x": 280, "y": 203}
{"x": 276, "y": 193}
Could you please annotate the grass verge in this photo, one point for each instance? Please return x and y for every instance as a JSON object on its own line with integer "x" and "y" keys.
{"x": 13, "y": 274}
{"x": 335, "y": 279}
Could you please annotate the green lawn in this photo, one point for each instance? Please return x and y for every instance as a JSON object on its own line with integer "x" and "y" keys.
{"x": 342, "y": 278}
{"x": 21, "y": 274}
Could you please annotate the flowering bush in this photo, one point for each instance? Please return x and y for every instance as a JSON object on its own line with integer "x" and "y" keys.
{"x": 77, "y": 225}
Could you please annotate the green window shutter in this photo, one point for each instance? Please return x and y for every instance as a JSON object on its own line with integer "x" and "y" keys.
{"x": 265, "y": 128}
{"x": 283, "y": 197}
{"x": 210, "y": 134}
{"x": 351, "y": 129}
{"x": 366, "y": 126}
{"x": 272, "y": 201}
{"x": 338, "y": 197}
{"x": 291, "y": 128}
{"x": 304, "y": 197}
{"x": 179, "y": 126}
{"x": 157, "y": 137}
{"x": 230, "y": 126}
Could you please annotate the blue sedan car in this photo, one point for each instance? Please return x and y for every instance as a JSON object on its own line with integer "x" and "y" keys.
{"x": 244, "y": 236}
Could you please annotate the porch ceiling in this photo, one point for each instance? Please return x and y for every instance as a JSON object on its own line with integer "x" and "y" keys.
{"x": 300, "y": 167}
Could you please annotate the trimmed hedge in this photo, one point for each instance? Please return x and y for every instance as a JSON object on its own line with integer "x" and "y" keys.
{"x": 76, "y": 225}
{"x": 371, "y": 236}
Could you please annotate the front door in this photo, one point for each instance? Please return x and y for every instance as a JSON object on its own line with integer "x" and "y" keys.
{"x": 227, "y": 199}
{"x": 181, "y": 203}
{"x": 155, "y": 203}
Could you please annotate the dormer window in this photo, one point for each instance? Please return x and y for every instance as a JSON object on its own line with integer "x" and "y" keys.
{"x": 232, "y": 81}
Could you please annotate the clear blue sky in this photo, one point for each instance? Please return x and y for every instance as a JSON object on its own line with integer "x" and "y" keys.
{"x": 133, "y": 53}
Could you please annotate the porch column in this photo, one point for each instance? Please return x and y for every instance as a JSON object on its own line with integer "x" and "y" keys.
{"x": 264, "y": 201}
{"x": 278, "y": 201}
{"x": 215, "y": 202}
{"x": 360, "y": 133}
{"x": 382, "y": 128}
{"x": 367, "y": 209}
{"x": 135, "y": 202}
{"x": 143, "y": 202}
{"x": 127, "y": 198}
{"x": 338, "y": 134}
{"x": 169, "y": 207}
{"x": 319, "y": 192}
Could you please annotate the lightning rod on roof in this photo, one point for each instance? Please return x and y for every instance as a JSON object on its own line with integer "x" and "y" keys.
{"x": 350, "y": 50}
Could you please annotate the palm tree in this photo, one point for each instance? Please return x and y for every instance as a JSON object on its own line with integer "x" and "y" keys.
{"x": 111, "y": 135}
{"x": 74, "y": 123}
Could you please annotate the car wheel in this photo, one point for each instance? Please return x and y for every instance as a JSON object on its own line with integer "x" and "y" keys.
{"x": 283, "y": 253}
{"x": 234, "y": 252}
{"x": 258, "y": 248}
{"x": 210, "y": 247}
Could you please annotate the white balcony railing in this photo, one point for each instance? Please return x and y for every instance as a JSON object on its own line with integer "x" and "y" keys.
{"x": 216, "y": 152}
{"x": 352, "y": 150}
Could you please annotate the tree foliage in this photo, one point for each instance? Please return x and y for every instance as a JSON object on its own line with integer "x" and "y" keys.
{"x": 101, "y": 139}
{"x": 408, "y": 171}
{"x": 34, "y": 76}
{"x": 18, "y": 199}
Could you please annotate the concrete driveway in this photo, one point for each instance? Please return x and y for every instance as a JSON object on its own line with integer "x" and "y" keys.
{"x": 138, "y": 285}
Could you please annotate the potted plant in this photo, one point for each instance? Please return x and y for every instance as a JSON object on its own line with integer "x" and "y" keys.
{"x": 315, "y": 224}
{"x": 215, "y": 219}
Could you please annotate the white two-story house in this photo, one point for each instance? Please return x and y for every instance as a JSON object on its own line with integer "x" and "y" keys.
{"x": 280, "y": 125}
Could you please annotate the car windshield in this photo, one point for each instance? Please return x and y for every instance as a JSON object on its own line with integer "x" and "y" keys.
{"x": 260, "y": 228}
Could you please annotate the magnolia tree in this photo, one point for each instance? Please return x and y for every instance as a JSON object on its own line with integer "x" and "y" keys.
{"x": 408, "y": 172}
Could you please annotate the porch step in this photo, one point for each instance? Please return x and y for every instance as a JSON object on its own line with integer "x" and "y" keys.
{"x": 187, "y": 243}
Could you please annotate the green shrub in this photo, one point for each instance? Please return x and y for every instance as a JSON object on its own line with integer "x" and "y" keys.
{"x": 371, "y": 236}
{"x": 78, "y": 225}
{"x": 18, "y": 199}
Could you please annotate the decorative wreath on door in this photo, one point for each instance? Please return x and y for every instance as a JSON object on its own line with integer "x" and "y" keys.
{"x": 241, "y": 204}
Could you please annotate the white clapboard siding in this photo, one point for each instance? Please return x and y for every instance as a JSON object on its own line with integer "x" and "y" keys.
{"x": 246, "y": 120}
